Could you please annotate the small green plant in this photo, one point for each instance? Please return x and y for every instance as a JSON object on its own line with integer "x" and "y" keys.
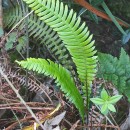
{"x": 106, "y": 102}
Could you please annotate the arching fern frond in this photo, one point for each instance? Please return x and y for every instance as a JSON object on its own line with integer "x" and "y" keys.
{"x": 40, "y": 32}
{"x": 62, "y": 78}
{"x": 74, "y": 34}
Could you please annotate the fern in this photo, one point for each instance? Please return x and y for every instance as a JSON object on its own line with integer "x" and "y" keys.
{"x": 116, "y": 71}
{"x": 62, "y": 78}
{"x": 74, "y": 34}
{"x": 40, "y": 32}
{"x": 77, "y": 40}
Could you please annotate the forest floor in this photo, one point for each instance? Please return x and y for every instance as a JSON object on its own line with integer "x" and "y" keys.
{"x": 43, "y": 97}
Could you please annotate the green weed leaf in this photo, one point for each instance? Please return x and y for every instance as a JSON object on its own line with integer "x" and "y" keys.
{"x": 104, "y": 95}
{"x": 104, "y": 109}
{"x": 97, "y": 101}
{"x": 111, "y": 108}
{"x": 115, "y": 99}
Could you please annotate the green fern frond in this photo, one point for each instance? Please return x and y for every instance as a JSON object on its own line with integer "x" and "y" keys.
{"x": 40, "y": 32}
{"x": 62, "y": 78}
{"x": 116, "y": 71}
{"x": 74, "y": 34}
{"x": 108, "y": 63}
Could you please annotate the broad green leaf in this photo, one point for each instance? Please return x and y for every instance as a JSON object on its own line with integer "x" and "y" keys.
{"x": 111, "y": 108}
{"x": 97, "y": 101}
{"x": 115, "y": 99}
{"x": 104, "y": 109}
{"x": 104, "y": 95}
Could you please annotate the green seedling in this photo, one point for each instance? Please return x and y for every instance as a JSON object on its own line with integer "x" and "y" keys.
{"x": 106, "y": 102}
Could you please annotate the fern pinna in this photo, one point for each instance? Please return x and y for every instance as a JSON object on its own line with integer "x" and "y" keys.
{"x": 62, "y": 78}
{"x": 75, "y": 36}
{"x": 116, "y": 71}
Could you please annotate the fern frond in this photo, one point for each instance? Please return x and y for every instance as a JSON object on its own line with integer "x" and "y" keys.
{"x": 40, "y": 32}
{"x": 116, "y": 71}
{"x": 74, "y": 34}
{"x": 62, "y": 78}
